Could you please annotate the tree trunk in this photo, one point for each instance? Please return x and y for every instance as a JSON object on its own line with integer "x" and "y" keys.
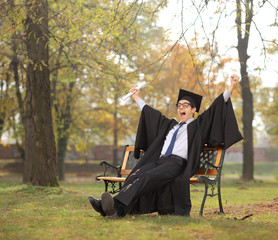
{"x": 63, "y": 121}
{"x": 115, "y": 131}
{"x": 62, "y": 148}
{"x": 40, "y": 153}
{"x": 63, "y": 134}
{"x": 14, "y": 66}
{"x": 247, "y": 97}
{"x": 2, "y": 110}
{"x": 1, "y": 125}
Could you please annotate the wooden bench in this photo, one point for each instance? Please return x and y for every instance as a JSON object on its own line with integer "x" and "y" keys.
{"x": 209, "y": 172}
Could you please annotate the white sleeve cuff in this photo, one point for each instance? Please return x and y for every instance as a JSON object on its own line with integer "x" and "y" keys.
{"x": 141, "y": 103}
{"x": 226, "y": 95}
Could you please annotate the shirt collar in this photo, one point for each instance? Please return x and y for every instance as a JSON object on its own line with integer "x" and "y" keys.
{"x": 189, "y": 120}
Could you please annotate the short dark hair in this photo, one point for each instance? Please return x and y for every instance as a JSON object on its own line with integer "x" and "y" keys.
{"x": 190, "y": 100}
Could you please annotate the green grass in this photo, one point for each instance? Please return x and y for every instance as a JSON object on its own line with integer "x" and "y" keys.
{"x": 261, "y": 170}
{"x": 230, "y": 170}
{"x": 28, "y": 212}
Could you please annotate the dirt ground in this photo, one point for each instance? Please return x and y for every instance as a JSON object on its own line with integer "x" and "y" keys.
{"x": 246, "y": 211}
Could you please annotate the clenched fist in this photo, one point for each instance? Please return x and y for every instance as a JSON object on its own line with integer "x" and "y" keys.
{"x": 234, "y": 81}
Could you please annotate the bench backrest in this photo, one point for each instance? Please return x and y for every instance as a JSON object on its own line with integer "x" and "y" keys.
{"x": 211, "y": 160}
{"x": 213, "y": 156}
{"x": 129, "y": 161}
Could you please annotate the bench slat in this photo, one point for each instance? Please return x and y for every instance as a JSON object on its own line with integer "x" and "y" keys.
{"x": 122, "y": 179}
{"x": 112, "y": 179}
{"x": 125, "y": 171}
{"x": 210, "y": 172}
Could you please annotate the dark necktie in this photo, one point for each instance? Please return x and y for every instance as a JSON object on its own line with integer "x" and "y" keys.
{"x": 172, "y": 143}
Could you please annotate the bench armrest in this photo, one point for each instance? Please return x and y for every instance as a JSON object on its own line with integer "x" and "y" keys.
{"x": 210, "y": 164}
{"x": 207, "y": 165}
{"x": 108, "y": 166}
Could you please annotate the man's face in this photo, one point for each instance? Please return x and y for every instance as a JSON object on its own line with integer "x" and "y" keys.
{"x": 185, "y": 110}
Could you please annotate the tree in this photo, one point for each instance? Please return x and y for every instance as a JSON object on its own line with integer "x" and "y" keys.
{"x": 243, "y": 34}
{"x": 269, "y": 108}
{"x": 203, "y": 24}
{"x": 95, "y": 63}
{"x": 179, "y": 71}
{"x": 84, "y": 40}
{"x": 40, "y": 153}
{"x": 4, "y": 87}
{"x": 269, "y": 114}
{"x": 24, "y": 36}
{"x": 124, "y": 50}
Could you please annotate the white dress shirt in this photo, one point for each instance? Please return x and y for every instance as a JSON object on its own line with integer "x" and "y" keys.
{"x": 181, "y": 144}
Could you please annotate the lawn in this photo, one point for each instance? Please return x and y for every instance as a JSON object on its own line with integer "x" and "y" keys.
{"x": 29, "y": 212}
{"x": 261, "y": 170}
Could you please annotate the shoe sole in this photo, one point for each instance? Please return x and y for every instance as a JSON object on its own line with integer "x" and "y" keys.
{"x": 107, "y": 203}
{"x": 97, "y": 210}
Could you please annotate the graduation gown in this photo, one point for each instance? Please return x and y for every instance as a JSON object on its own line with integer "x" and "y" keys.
{"x": 217, "y": 125}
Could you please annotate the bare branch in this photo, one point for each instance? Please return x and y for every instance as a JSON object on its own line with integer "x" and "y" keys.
{"x": 200, "y": 17}
{"x": 262, "y": 40}
{"x": 238, "y": 19}
{"x": 160, "y": 5}
{"x": 270, "y": 3}
{"x": 189, "y": 49}
{"x": 212, "y": 47}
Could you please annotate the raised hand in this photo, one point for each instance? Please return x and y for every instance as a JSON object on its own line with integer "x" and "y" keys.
{"x": 234, "y": 81}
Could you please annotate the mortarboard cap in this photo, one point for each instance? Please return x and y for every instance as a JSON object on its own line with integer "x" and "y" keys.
{"x": 193, "y": 98}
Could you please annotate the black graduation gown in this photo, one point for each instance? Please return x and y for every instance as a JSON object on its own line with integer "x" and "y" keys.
{"x": 217, "y": 125}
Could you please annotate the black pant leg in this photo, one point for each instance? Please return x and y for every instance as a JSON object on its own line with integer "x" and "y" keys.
{"x": 150, "y": 178}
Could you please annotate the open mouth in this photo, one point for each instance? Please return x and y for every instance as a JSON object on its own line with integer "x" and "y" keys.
{"x": 182, "y": 114}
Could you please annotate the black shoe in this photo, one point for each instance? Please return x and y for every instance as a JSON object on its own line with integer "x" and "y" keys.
{"x": 96, "y": 204}
{"x": 107, "y": 203}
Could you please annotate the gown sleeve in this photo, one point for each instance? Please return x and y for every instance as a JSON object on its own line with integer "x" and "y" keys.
{"x": 150, "y": 123}
{"x": 218, "y": 124}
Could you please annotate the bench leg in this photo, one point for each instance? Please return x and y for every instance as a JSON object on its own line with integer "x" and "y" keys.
{"x": 219, "y": 198}
{"x": 204, "y": 199}
{"x": 106, "y": 186}
{"x": 112, "y": 187}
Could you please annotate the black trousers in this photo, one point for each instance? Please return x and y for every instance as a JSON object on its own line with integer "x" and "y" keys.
{"x": 148, "y": 178}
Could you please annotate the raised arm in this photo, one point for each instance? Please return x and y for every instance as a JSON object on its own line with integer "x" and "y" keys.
{"x": 234, "y": 81}
{"x": 136, "y": 97}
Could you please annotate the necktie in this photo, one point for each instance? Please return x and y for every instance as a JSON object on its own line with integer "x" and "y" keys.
{"x": 172, "y": 143}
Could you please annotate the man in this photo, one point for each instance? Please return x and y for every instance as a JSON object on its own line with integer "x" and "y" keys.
{"x": 160, "y": 181}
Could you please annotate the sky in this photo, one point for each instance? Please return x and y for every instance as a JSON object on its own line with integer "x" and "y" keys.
{"x": 170, "y": 18}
